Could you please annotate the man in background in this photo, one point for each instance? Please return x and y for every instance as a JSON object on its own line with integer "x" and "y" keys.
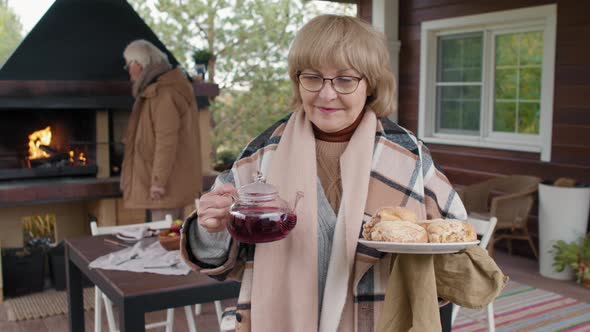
{"x": 161, "y": 169}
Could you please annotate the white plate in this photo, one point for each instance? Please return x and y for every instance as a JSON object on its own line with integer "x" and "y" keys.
{"x": 126, "y": 238}
{"x": 418, "y": 248}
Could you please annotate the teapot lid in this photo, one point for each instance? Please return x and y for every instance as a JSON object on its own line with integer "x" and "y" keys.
{"x": 258, "y": 188}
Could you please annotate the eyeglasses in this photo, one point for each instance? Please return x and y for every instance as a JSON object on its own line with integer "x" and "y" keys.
{"x": 341, "y": 84}
{"x": 128, "y": 64}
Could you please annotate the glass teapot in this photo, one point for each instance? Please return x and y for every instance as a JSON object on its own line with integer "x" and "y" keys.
{"x": 259, "y": 214}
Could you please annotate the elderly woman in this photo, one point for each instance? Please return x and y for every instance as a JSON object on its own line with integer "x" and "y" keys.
{"x": 162, "y": 142}
{"x": 341, "y": 151}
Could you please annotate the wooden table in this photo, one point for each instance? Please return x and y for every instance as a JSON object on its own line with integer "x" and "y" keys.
{"x": 133, "y": 293}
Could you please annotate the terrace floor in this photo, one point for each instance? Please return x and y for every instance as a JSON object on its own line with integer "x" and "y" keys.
{"x": 526, "y": 271}
{"x": 521, "y": 269}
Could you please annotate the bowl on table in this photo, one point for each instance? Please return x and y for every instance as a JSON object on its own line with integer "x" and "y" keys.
{"x": 170, "y": 240}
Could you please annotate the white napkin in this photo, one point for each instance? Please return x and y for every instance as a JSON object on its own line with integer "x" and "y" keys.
{"x": 144, "y": 256}
{"x": 136, "y": 233}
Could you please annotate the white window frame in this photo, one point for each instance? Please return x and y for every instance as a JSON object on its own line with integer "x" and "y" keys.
{"x": 539, "y": 18}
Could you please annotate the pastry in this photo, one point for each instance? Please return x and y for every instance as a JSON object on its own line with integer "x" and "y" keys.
{"x": 397, "y": 213}
{"x": 451, "y": 230}
{"x": 398, "y": 231}
{"x": 426, "y": 223}
{"x": 388, "y": 214}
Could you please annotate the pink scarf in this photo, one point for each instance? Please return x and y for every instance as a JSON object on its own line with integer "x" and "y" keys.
{"x": 285, "y": 280}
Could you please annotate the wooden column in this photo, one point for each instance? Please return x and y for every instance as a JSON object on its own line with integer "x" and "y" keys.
{"x": 103, "y": 160}
{"x": 105, "y": 210}
{"x": 204, "y": 132}
{"x": 1, "y": 280}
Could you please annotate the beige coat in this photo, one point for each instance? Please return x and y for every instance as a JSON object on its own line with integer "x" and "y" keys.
{"x": 162, "y": 145}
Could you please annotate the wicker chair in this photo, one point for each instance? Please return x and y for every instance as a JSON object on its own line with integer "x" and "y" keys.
{"x": 508, "y": 198}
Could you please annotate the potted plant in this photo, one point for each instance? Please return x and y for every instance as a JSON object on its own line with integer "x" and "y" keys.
{"x": 201, "y": 58}
{"x": 567, "y": 201}
{"x": 575, "y": 254}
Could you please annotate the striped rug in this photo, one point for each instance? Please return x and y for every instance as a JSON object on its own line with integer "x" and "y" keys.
{"x": 523, "y": 308}
{"x": 43, "y": 304}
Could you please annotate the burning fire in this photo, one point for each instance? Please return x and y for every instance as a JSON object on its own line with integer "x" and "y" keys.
{"x": 80, "y": 159}
{"x": 36, "y": 139}
{"x": 39, "y": 147}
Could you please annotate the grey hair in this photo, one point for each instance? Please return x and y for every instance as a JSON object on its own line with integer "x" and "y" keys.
{"x": 144, "y": 53}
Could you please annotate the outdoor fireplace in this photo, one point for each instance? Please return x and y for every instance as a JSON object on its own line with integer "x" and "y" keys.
{"x": 47, "y": 143}
{"x": 66, "y": 80}
{"x": 78, "y": 88}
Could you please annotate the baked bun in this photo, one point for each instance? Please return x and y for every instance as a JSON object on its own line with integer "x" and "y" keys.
{"x": 397, "y": 213}
{"x": 451, "y": 230}
{"x": 398, "y": 231}
{"x": 426, "y": 223}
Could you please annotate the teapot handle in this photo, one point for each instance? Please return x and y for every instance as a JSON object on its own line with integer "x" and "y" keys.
{"x": 298, "y": 197}
{"x": 234, "y": 197}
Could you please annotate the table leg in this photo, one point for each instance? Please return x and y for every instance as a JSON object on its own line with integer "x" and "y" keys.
{"x": 75, "y": 295}
{"x": 131, "y": 318}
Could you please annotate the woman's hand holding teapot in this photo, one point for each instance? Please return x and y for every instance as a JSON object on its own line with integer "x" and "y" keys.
{"x": 214, "y": 206}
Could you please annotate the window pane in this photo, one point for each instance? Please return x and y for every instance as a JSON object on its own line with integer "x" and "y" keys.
{"x": 531, "y": 48}
{"x": 530, "y": 83}
{"x": 471, "y": 116}
{"x": 505, "y": 116}
{"x": 528, "y": 118}
{"x": 517, "y": 86}
{"x": 451, "y": 92}
{"x": 505, "y": 84}
{"x": 471, "y": 93}
{"x": 450, "y": 115}
{"x": 458, "y": 109}
{"x": 450, "y": 69}
{"x": 459, "y": 58}
{"x": 507, "y": 50}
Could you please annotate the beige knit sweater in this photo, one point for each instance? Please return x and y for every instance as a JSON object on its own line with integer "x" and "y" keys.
{"x": 328, "y": 166}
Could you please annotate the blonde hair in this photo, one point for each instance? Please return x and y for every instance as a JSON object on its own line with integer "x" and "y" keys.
{"x": 144, "y": 53}
{"x": 345, "y": 42}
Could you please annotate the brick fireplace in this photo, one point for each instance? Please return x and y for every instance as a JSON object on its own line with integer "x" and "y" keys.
{"x": 79, "y": 116}
{"x": 67, "y": 75}
{"x": 84, "y": 117}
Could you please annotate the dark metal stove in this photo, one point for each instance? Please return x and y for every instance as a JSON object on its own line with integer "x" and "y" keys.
{"x": 69, "y": 150}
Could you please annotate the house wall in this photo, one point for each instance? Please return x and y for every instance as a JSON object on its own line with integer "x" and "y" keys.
{"x": 571, "y": 113}
{"x": 570, "y": 155}
{"x": 364, "y": 9}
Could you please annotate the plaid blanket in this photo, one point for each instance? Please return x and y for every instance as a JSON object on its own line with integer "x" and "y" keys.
{"x": 383, "y": 165}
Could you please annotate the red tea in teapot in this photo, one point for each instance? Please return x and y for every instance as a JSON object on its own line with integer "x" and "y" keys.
{"x": 260, "y": 224}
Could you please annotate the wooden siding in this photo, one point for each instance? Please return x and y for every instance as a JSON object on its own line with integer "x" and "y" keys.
{"x": 570, "y": 156}
{"x": 364, "y": 9}
{"x": 571, "y": 113}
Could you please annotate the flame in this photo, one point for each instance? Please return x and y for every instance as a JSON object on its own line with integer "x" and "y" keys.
{"x": 37, "y": 138}
{"x": 43, "y": 137}
{"x": 81, "y": 160}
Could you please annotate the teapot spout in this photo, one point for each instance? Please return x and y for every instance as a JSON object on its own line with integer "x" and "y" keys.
{"x": 298, "y": 197}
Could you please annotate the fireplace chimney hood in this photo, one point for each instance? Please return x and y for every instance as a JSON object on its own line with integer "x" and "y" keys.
{"x": 80, "y": 40}
{"x": 73, "y": 59}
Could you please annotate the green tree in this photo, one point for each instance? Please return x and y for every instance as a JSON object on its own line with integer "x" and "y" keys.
{"x": 10, "y": 31}
{"x": 242, "y": 35}
{"x": 249, "y": 41}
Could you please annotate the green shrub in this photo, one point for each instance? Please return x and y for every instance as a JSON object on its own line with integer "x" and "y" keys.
{"x": 575, "y": 254}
